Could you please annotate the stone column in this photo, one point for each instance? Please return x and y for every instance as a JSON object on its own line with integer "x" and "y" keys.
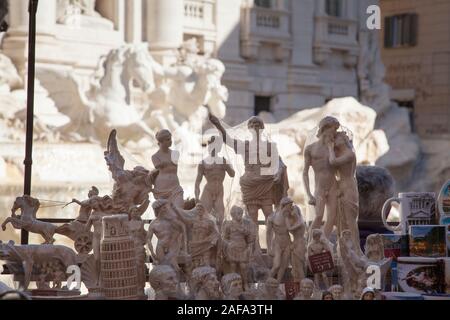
{"x": 164, "y": 26}
{"x": 133, "y": 21}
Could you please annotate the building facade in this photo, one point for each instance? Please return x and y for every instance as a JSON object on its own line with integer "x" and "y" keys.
{"x": 281, "y": 55}
{"x": 415, "y": 46}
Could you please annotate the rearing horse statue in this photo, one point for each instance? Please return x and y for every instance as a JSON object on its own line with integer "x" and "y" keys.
{"x": 27, "y": 219}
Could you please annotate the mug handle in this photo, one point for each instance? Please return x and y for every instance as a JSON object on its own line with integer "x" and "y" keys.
{"x": 385, "y": 213}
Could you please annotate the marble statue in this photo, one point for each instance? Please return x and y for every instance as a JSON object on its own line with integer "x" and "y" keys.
{"x": 278, "y": 242}
{"x": 203, "y": 235}
{"x": 205, "y": 285}
{"x": 213, "y": 169}
{"x": 237, "y": 241}
{"x": 265, "y": 180}
{"x": 297, "y": 227}
{"x": 368, "y": 294}
{"x": 325, "y": 190}
{"x": 337, "y": 291}
{"x": 270, "y": 290}
{"x": 164, "y": 280}
{"x": 231, "y": 285}
{"x": 27, "y": 219}
{"x": 28, "y": 256}
{"x": 374, "y": 253}
{"x": 306, "y": 290}
{"x": 342, "y": 158}
{"x": 318, "y": 244}
{"x": 106, "y": 105}
{"x": 170, "y": 233}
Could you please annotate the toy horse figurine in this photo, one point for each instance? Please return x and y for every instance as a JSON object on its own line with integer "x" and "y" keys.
{"x": 27, "y": 219}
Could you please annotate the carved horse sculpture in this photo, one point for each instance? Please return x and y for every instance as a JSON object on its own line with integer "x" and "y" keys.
{"x": 27, "y": 219}
{"x": 106, "y": 104}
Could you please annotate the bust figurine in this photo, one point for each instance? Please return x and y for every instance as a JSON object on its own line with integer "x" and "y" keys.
{"x": 164, "y": 281}
{"x": 337, "y": 291}
{"x": 306, "y": 290}
{"x": 232, "y": 286}
{"x": 205, "y": 285}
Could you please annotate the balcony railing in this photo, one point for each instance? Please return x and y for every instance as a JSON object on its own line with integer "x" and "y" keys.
{"x": 199, "y": 14}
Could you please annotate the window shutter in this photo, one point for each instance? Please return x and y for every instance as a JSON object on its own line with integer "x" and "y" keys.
{"x": 414, "y": 29}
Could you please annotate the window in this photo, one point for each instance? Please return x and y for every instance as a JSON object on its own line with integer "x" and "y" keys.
{"x": 333, "y": 8}
{"x": 408, "y": 105}
{"x": 262, "y": 103}
{"x": 263, "y": 3}
{"x": 400, "y": 30}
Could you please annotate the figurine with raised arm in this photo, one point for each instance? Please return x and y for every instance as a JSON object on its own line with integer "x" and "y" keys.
{"x": 306, "y": 290}
{"x": 170, "y": 237}
{"x": 265, "y": 181}
{"x": 164, "y": 280}
{"x": 317, "y": 245}
{"x": 343, "y": 159}
{"x": 325, "y": 189}
{"x": 203, "y": 234}
{"x": 237, "y": 240}
{"x": 278, "y": 242}
{"x": 297, "y": 227}
{"x": 213, "y": 169}
{"x": 205, "y": 285}
{"x": 167, "y": 185}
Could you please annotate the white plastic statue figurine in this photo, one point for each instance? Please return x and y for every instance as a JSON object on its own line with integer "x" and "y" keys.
{"x": 270, "y": 291}
{"x": 213, "y": 169}
{"x": 306, "y": 290}
{"x": 325, "y": 189}
{"x": 343, "y": 159}
{"x": 237, "y": 240}
{"x": 203, "y": 235}
{"x": 205, "y": 285}
{"x": 163, "y": 279}
{"x": 278, "y": 243}
{"x": 169, "y": 233}
{"x": 297, "y": 227}
{"x": 317, "y": 245}
{"x": 337, "y": 291}
{"x": 232, "y": 286}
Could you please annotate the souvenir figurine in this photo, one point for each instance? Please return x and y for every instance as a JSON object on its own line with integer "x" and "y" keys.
{"x": 205, "y": 285}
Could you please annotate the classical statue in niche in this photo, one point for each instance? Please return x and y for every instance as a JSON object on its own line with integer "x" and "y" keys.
{"x": 231, "y": 285}
{"x": 265, "y": 181}
{"x": 171, "y": 236}
{"x": 306, "y": 290}
{"x": 237, "y": 241}
{"x": 203, "y": 235}
{"x": 319, "y": 244}
{"x": 164, "y": 280}
{"x": 204, "y": 284}
{"x": 213, "y": 169}
{"x": 325, "y": 191}
{"x": 343, "y": 159}
{"x": 297, "y": 227}
{"x": 278, "y": 243}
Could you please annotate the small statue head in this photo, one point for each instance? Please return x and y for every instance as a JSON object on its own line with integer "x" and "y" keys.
{"x": 337, "y": 291}
{"x": 286, "y": 203}
{"x": 328, "y": 127}
{"x": 232, "y": 285}
{"x": 160, "y": 207}
{"x": 163, "y": 279}
{"x": 237, "y": 213}
{"x": 205, "y": 277}
{"x": 164, "y": 138}
{"x": 342, "y": 140}
{"x": 327, "y": 295}
{"x": 200, "y": 208}
{"x": 255, "y": 124}
{"x": 306, "y": 288}
{"x": 346, "y": 235}
{"x": 317, "y": 235}
{"x": 93, "y": 192}
{"x": 374, "y": 247}
{"x": 368, "y": 294}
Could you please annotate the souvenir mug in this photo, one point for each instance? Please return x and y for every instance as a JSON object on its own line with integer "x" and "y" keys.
{"x": 416, "y": 208}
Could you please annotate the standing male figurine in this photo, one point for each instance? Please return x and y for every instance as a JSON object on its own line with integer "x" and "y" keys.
{"x": 297, "y": 227}
{"x": 317, "y": 245}
{"x": 278, "y": 243}
{"x": 214, "y": 169}
{"x": 325, "y": 189}
{"x": 238, "y": 241}
{"x": 265, "y": 181}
